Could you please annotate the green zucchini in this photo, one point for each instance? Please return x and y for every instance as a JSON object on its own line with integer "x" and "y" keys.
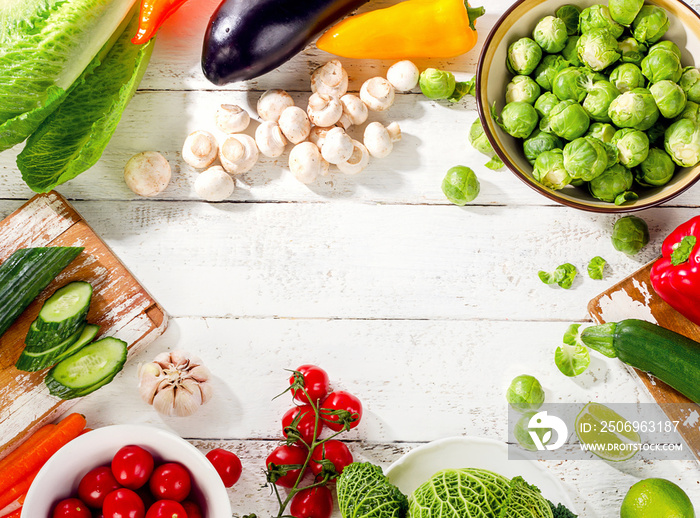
{"x": 92, "y": 367}
{"x": 65, "y": 310}
{"x": 671, "y": 357}
{"x": 25, "y": 274}
{"x": 31, "y": 361}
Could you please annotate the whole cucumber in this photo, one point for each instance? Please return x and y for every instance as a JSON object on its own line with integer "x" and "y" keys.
{"x": 247, "y": 38}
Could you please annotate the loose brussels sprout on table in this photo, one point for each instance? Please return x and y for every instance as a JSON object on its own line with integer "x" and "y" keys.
{"x": 549, "y": 170}
{"x": 569, "y": 14}
{"x": 682, "y": 142}
{"x": 611, "y": 183}
{"x": 538, "y": 143}
{"x": 523, "y": 56}
{"x": 460, "y": 185}
{"x": 632, "y": 146}
{"x": 545, "y": 103}
{"x": 601, "y": 131}
{"x": 522, "y": 88}
{"x": 650, "y": 24}
{"x": 630, "y": 234}
{"x": 626, "y": 77}
{"x": 656, "y": 169}
{"x": 525, "y": 393}
{"x": 480, "y": 142}
{"x": 585, "y": 158}
{"x": 624, "y": 11}
{"x": 518, "y": 119}
{"x": 597, "y": 49}
{"x": 568, "y": 120}
{"x": 634, "y": 109}
{"x": 548, "y": 69}
{"x": 598, "y": 17}
{"x": 600, "y": 95}
{"x": 550, "y": 33}
{"x": 669, "y": 97}
{"x": 631, "y": 51}
{"x": 437, "y": 84}
{"x": 690, "y": 83}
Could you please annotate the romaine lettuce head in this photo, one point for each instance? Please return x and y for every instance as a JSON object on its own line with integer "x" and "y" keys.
{"x": 524, "y": 501}
{"x": 364, "y": 492}
{"x": 460, "y": 493}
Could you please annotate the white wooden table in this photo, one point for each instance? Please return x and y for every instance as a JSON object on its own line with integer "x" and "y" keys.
{"x": 422, "y": 309}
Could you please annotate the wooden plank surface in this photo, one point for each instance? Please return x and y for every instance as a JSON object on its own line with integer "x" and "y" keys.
{"x": 120, "y": 306}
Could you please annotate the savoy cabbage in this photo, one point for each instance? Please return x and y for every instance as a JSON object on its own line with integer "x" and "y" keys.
{"x": 524, "y": 501}
{"x": 364, "y": 492}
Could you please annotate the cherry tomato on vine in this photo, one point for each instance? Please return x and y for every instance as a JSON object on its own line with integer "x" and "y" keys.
{"x": 334, "y": 451}
{"x": 316, "y": 502}
{"x": 170, "y": 481}
{"x": 123, "y": 503}
{"x": 192, "y": 509}
{"x": 71, "y": 508}
{"x": 316, "y": 384}
{"x": 278, "y": 462}
{"x": 346, "y": 404}
{"x": 96, "y": 485}
{"x": 132, "y": 466}
{"x": 167, "y": 509}
{"x": 227, "y": 465}
{"x": 306, "y": 423}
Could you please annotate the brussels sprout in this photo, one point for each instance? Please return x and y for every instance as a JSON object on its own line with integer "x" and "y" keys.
{"x": 626, "y": 77}
{"x": 669, "y": 97}
{"x": 563, "y": 275}
{"x": 570, "y": 83}
{"x": 570, "y": 53}
{"x": 632, "y": 146}
{"x": 632, "y": 51}
{"x": 521, "y": 432}
{"x": 538, "y": 143}
{"x": 611, "y": 183}
{"x": 568, "y": 120}
{"x": 682, "y": 142}
{"x": 600, "y": 95}
{"x": 630, "y": 234}
{"x": 666, "y": 45}
{"x": 523, "y": 56}
{"x": 690, "y": 83}
{"x": 634, "y": 109}
{"x": 656, "y": 170}
{"x": 549, "y": 170}
{"x": 624, "y": 11}
{"x": 522, "y": 88}
{"x": 548, "y": 68}
{"x": 518, "y": 119}
{"x": 650, "y": 24}
{"x": 661, "y": 65}
{"x": 545, "y": 103}
{"x": 569, "y": 14}
{"x": 550, "y": 34}
{"x": 596, "y": 267}
{"x": 460, "y": 185}
{"x": 436, "y": 84}
{"x": 525, "y": 393}
{"x": 585, "y": 158}
{"x": 597, "y": 49}
{"x": 691, "y": 112}
{"x": 478, "y": 139}
{"x": 598, "y": 17}
{"x": 601, "y": 131}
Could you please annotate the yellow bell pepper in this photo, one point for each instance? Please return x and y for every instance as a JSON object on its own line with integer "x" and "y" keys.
{"x": 410, "y": 29}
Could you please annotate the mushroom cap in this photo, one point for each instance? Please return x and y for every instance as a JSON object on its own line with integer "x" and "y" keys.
{"x": 337, "y": 146}
{"x": 357, "y": 161}
{"x": 231, "y": 118}
{"x": 147, "y": 173}
{"x": 317, "y": 135}
{"x": 403, "y": 75}
{"x": 354, "y": 111}
{"x": 214, "y": 184}
{"x": 238, "y": 153}
{"x": 295, "y": 124}
{"x": 272, "y": 103}
{"x": 305, "y": 162}
{"x": 377, "y": 93}
{"x": 270, "y": 139}
{"x": 200, "y": 149}
{"x": 324, "y": 110}
{"x": 330, "y": 79}
{"x": 377, "y": 140}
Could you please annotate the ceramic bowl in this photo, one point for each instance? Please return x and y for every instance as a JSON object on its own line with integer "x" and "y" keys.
{"x": 60, "y": 476}
{"x": 493, "y": 77}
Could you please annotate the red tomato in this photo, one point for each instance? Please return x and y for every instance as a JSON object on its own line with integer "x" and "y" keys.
{"x": 345, "y": 403}
{"x": 334, "y": 451}
{"x": 123, "y": 503}
{"x": 315, "y": 382}
{"x": 167, "y": 509}
{"x": 71, "y": 508}
{"x": 132, "y": 466}
{"x": 96, "y": 485}
{"x": 170, "y": 481}
{"x": 316, "y": 502}
{"x": 306, "y": 423}
{"x": 227, "y": 465}
{"x": 278, "y": 463}
{"x": 192, "y": 509}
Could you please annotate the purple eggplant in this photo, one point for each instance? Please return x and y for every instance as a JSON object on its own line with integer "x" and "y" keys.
{"x": 247, "y": 38}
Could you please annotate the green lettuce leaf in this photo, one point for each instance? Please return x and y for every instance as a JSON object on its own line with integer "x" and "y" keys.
{"x": 72, "y": 138}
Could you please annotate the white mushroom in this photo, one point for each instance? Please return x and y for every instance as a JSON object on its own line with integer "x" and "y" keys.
{"x": 270, "y": 139}
{"x": 379, "y": 140}
{"x": 324, "y": 110}
{"x": 231, "y": 118}
{"x": 295, "y": 124}
{"x": 337, "y": 146}
{"x": 403, "y": 75}
{"x": 272, "y": 103}
{"x": 330, "y": 79}
{"x": 318, "y": 135}
{"x": 214, "y": 184}
{"x": 147, "y": 173}
{"x": 377, "y": 93}
{"x": 354, "y": 111}
{"x": 200, "y": 149}
{"x": 306, "y": 163}
{"x": 357, "y": 161}
{"x": 238, "y": 153}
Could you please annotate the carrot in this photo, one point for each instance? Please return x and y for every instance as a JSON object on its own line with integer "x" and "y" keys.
{"x": 27, "y": 446}
{"x": 85, "y": 431}
{"x": 65, "y": 431}
{"x": 4, "y": 512}
{"x": 15, "y": 514}
{"x": 17, "y": 491}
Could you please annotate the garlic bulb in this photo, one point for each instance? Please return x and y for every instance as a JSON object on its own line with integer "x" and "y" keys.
{"x": 175, "y": 383}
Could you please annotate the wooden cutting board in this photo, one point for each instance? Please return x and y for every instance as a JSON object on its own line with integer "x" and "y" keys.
{"x": 634, "y": 297}
{"x": 120, "y": 305}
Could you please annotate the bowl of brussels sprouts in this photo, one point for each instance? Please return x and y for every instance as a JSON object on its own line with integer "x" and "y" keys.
{"x": 595, "y": 106}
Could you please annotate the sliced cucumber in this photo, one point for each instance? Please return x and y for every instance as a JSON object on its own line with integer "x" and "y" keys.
{"x": 93, "y": 366}
{"x": 38, "y": 340}
{"x": 88, "y": 335}
{"x": 65, "y": 310}
{"x": 31, "y": 361}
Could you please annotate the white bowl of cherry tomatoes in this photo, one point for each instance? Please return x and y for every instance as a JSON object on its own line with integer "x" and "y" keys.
{"x": 128, "y": 471}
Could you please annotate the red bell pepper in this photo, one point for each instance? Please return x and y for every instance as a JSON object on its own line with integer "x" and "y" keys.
{"x": 676, "y": 276}
{"x": 152, "y": 15}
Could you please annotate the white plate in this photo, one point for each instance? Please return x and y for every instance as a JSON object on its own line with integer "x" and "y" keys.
{"x": 418, "y": 465}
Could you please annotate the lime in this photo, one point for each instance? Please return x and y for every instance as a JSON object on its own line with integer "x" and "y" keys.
{"x": 656, "y": 498}
{"x": 606, "y": 433}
